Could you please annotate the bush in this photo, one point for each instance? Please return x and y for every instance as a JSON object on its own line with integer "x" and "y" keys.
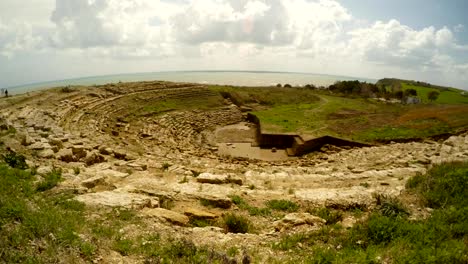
{"x": 16, "y": 161}
{"x": 283, "y": 205}
{"x": 390, "y": 206}
{"x": 237, "y": 223}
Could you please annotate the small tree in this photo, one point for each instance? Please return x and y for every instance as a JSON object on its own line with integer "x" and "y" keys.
{"x": 411, "y": 92}
{"x": 433, "y": 95}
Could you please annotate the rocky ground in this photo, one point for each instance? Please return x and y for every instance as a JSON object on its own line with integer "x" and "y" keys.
{"x": 166, "y": 166}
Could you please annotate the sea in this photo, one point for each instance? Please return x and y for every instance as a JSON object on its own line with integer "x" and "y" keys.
{"x": 236, "y": 78}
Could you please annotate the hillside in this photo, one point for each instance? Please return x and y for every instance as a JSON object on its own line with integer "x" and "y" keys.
{"x": 135, "y": 173}
{"x": 448, "y": 95}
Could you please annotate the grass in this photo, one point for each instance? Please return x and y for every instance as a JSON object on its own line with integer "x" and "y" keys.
{"x": 331, "y": 216}
{"x": 29, "y": 217}
{"x": 449, "y": 96}
{"x": 283, "y": 205}
{"x": 50, "y": 180}
{"x": 237, "y": 223}
{"x": 253, "y": 211}
{"x": 389, "y": 236}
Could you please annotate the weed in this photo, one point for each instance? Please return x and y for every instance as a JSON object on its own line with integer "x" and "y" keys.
{"x": 291, "y": 191}
{"x": 166, "y": 166}
{"x": 51, "y": 180}
{"x": 207, "y": 203}
{"x": 87, "y": 249}
{"x": 242, "y": 204}
{"x": 252, "y": 187}
{"x": 184, "y": 180}
{"x": 237, "y": 223}
{"x": 237, "y": 200}
{"x": 123, "y": 246}
{"x": 283, "y": 205}
{"x": 201, "y": 222}
{"x": 232, "y": 251}
{"x": 364, "y": 184}
{"x": 331, "y": 216}
{"x": 195, "y": 173}
{"x": 166, "y": 203}
{"x": 390, "y": 206}
{"x": 76, "y": 170}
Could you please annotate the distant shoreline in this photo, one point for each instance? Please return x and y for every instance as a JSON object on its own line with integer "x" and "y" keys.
{"x": 221, "y": 77}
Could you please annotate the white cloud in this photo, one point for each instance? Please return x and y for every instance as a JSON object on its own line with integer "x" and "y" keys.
{"x": 16, "y": 37}
{"x": 317, "y": 34}
{"x": 262, "y": 22}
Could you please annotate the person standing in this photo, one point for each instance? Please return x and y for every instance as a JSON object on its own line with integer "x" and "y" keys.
{"x": 6, "y": 93}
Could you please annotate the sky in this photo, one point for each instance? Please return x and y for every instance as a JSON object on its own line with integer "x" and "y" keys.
{"x": 44, "y": 40}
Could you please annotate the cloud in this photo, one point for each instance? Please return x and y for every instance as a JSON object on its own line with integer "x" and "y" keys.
{"x": 16, "y": 37}
{"x": 395, "y": 44}
{"x": 314, "y": 33}
{"x": 261, "y": 22}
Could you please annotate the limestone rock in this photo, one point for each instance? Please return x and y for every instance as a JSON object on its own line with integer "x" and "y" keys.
{"x": 43, "y": 170}
{"x": 27, "y": 140}
{"x": 120, "y": 154}
{"x": 105, "y": 150}
{"x": 93, "y": 182}
{"x": 453, "y": 141}
{"x": 218, "y": 179}
{"x": 79, "y": 151}
{"x": 112, "y": 175}
{"x": 221, "y": 202}
{"x": 199, "y": 214}
{"x": 296, "y": 219}
{"x": 93, "y": 157}
{"x": 46, "y": 153}
{"x": 65, "y": 155}
{"x": 348, "y": 222}
{"x": 118, "y": 199}
{"x": 211, "y": 178}
{"x": 167, "y": 215}
{"x": 138, "y": 166}
{"x": 39, "y": 146}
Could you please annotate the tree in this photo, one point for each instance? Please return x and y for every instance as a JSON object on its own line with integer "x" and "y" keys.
{"x": 433, "y": 95}
{"x": 411, "y": 92}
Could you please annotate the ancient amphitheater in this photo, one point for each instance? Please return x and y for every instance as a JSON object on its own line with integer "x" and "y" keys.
{"x": 120, "y": 148}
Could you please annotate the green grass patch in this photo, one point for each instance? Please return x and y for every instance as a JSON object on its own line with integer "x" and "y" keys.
{"x": 28, "y": 217}
{"x": 446, "y": 96}
{"x": 283, "y": 205}
{"x": 50, "y": 180}
{"x": 237, "y": 223}
{"x": 253, "y": 211}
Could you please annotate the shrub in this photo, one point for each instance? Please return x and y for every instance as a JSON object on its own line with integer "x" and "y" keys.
{"x": 390, "y": 206}
{"x": 16, "y": 161}
{"x": 237, "y": 223}
{"x": 283, "y": 205}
